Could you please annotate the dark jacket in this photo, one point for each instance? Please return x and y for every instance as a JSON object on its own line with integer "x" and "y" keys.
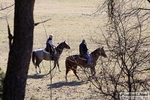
{"x": 49, "y": 48}
{"x": 83, "y": 49}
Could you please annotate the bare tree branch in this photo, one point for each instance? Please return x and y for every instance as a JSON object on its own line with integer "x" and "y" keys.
{"x": 128, "y": 44}
{"x": 35, "y": 24}
{"x": 6, "y": 7}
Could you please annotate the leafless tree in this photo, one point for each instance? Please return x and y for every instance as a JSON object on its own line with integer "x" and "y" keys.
{"x": 128, "y": 42}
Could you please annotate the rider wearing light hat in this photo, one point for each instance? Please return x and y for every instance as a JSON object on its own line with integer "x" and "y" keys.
{"x": 49, "y": 45}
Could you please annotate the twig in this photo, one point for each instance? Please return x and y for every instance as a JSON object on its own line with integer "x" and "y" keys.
{"x": 6, "y": 7}
{"x": 35, "y": 24}
{"x": 10, "y": 36}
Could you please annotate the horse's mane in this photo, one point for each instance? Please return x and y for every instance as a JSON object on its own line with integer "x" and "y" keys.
{"x": 59, "y": 45}
{"x": 93, "y": 52}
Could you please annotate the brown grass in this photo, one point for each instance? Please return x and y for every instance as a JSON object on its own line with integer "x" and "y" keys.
{"x": 67, "y": 23}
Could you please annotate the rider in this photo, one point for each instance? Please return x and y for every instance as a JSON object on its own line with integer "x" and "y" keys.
{"x": 84, "y": 52}
{"x": 49, "y": 46}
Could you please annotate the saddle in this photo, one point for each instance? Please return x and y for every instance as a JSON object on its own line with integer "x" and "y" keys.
{"x": 44, "y": 50}
{"x": 51, "y": 55}
{"x": 82, "y": 57}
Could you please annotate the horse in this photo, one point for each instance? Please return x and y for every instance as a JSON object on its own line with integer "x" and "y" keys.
{"x": 73, "y": 61}
{"x": 39, "y": 55}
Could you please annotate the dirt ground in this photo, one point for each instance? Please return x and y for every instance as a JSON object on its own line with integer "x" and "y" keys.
{"x": 71, "y": 21}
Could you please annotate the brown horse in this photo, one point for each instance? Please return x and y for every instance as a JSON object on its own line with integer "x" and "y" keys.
{"x": 39, "y": 55}
{"x": 76, "y": 60}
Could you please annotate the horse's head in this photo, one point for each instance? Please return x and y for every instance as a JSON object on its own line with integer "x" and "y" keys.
{"x": 102, "y": 52}
{"x": 99, "y": 52}
{"x": 65, "y": 45}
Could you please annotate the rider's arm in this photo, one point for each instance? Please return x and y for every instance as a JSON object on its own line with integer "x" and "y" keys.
{"x": 50, "y": 42}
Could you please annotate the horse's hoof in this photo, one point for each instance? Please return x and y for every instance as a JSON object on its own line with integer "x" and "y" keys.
{"x": 36, "y": 72}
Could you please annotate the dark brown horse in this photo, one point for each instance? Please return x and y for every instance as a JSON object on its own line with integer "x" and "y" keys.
{"x": 76, "y": 60}
{"x": 41, "y": 54}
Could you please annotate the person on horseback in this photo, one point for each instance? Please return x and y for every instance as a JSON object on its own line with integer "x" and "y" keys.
{"x": 84, "y": 52}
{"x": 49, "y": 46}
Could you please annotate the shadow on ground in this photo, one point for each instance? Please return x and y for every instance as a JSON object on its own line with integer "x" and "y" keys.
{"x": 37, "y": 76}
{"x": 61, "y": 84}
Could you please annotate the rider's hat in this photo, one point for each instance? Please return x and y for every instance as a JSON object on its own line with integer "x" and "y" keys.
{"x": 51, "y": 35}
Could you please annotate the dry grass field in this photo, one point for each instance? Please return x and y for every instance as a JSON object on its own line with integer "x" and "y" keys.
{"x": 69, "y": 22}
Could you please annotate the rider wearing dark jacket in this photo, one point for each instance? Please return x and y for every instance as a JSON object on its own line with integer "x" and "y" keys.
{"x": 83, "y": 48}
{"x": 49, "y": 45}
{"x": 84, "y": 51}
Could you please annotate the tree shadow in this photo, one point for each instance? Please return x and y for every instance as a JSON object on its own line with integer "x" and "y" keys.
{"x": 37, "y": 76}
{"x": 61, "y": 84}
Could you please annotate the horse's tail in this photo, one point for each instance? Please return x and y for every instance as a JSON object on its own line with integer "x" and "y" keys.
{"x": 67, "y": 63}
{"x": 33, "y": 57}
{"x": 68, "y": 66}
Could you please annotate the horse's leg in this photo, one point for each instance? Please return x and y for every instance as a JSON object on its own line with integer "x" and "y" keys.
{"x": 36, "y": 69}
{"x": 75, "y": 72}
{"x": 93, "y": 71}
{"x": 67, "y": 70}
{"x": 68, "y": 66}
{"x": 35, "y": 64}
{"x": 38, "y": 61}
{"x": 39, "y": 69}
{"x": 56, "y": 63}
{"x": 53, "y": 67}
{"x": 58, "y": 66}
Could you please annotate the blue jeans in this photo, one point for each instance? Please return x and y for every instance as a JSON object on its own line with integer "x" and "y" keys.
{"x": 88, "y": 57}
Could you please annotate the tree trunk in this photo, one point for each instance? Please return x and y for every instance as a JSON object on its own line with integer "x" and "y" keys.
{"x": 20, "y": 51}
